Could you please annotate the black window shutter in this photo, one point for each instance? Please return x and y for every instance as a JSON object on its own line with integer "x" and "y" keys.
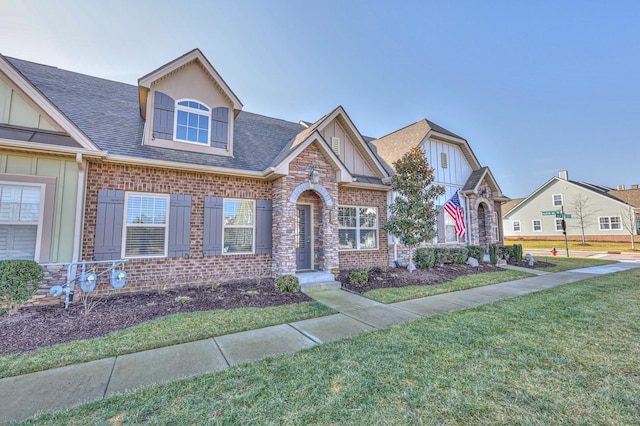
{"x": 109, "y": 222}
{"x": 163, "y": 110}
{"x": 219, "y": 127}
{"x": 212, "y": 240}
{"x": 179, "y": 225}
{"x": 263, "y": 226}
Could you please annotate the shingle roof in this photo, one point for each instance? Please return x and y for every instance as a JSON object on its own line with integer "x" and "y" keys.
{"x": 474, "y": 179}
{"x": 629, "y": 196}
{"x": 393, "y": 146}
{"x": 107, "y": 112}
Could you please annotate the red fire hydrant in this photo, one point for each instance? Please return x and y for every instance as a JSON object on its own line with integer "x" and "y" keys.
{"x": 554, "y": 251}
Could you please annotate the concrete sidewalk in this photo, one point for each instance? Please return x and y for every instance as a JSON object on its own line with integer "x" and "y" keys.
{"x": 65, "y": 387}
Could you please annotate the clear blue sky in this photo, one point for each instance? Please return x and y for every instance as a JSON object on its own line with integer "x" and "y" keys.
{"x": 534, "y": 86}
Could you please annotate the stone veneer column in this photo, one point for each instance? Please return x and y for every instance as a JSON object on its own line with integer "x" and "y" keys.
{"x": 283, "y": 228}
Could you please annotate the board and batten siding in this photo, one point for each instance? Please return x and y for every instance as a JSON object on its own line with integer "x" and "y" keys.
{"x": 457, "y": 170}
{"x": 66, "y": 174}
{"x": 14, "y": 110}
{"x": 349, "y": 154}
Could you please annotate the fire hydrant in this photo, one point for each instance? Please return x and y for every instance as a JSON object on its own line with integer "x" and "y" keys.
{"x": 554, "y": 251}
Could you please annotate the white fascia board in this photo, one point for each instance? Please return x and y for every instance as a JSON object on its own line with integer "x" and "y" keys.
{"x": 340, "y": 111}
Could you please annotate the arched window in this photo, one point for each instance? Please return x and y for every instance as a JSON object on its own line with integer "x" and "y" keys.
{"x": 192, "y": 122}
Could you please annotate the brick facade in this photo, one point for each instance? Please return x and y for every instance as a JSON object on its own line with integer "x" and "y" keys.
{"x": 148, "y": 274}
{"x": 364, "y": 259}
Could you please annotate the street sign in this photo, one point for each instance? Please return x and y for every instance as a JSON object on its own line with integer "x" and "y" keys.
{"x": 567, "y": 216}
{"x": 552, "y": 213}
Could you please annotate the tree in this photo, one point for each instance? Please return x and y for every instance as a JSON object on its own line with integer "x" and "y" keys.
{"x": 582, "y": 211}
{"x": 412, "y": 214}
{"x": 629, "y": 221}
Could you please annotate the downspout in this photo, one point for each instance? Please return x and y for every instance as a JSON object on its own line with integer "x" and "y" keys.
{"x": 466, "y": 216}
{"x": 77, "y": 234}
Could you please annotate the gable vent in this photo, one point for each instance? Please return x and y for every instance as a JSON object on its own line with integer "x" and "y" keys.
{"x": 443, "y": 160}
{"x": 335, "y": 145}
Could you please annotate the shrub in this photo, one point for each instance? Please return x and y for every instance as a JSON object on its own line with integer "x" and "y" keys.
{"x": 287, "y": 284}
{"x": 507, "y": 252}
{"x": 459, "y": 255}
{"x": 477, "y": 252}
{"x": 517, "y": 253}
{"x": 493, "y": 254}
{"x": 19, "y": 281}
{"x": 443, "y": 255}
{"x": 359, "y": 278}
{"x": 425, "y": 258}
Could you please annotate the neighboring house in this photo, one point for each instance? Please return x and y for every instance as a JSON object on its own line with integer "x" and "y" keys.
{"x": 43, "y": 161}
{"x": 599, "y": 210}
{"x": 457, "y": 169}
{"x": 188, "y": 187}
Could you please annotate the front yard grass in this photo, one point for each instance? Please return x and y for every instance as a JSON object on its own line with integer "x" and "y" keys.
{"x": 166, "y": 331}
{"x": 399, "y": 294}
{"x": 573, "y": 245}
{"x": 568, "y": 355}
{"x": 568, "y": 263}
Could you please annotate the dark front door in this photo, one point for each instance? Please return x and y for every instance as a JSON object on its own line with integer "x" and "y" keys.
{"x": 303, "y": 237}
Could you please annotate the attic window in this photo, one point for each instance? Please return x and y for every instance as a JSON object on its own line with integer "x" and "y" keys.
{"x": 335, "y": 145}
{"x": 192, "y": 122}
{"x": 443, "y": 160}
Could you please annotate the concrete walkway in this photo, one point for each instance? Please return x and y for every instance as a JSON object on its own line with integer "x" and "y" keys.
{"x": 65, "y": 387}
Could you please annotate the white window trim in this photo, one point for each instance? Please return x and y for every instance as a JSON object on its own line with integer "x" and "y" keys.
{"x": 358, "y": 228}
{"x": 178, "y": 107}
{"x": 513, "y": 226}
{"x": 40, "y": 222}
{"x": 125, "y": 226}
{"x": 558, "y": 225}
{"x": 600, "y": 228}
{"x": 553, "y": 200}
{"x": 533, "y": 225}
{"x": 253, "y": 227}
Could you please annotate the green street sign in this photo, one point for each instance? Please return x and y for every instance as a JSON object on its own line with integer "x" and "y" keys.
{"x": 552, "y": 213}
{"x": 559, "y": 215}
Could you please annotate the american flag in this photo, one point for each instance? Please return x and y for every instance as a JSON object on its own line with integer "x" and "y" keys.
{"x": 453, "y": 208}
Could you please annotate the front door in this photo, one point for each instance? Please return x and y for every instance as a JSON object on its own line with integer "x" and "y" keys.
{"x": 303, "y": 237}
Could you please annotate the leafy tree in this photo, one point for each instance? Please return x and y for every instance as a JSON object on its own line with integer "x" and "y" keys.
{"x": 412, "y": 214}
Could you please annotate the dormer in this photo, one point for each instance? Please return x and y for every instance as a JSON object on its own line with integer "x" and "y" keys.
{"x": 187, "y": 106}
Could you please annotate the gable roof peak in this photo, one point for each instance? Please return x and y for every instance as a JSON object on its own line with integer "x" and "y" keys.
{"x": 195, "y": 55}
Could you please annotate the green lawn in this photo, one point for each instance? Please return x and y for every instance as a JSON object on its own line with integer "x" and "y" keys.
{"x": 166, "y": 331}
{"x": 573, "y": 245}
{"x": 568, "y": 263}
{"x": 393, "y": 295}
{"x": 568, "y": 355}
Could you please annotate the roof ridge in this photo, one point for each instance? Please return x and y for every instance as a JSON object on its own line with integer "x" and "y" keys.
{"x": 403, "y": 128}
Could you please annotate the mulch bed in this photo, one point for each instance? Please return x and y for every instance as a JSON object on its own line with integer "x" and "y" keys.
{"x": 37, "y": 327}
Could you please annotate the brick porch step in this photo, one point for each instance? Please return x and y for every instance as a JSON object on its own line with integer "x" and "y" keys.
{"x": 317, "y": 280}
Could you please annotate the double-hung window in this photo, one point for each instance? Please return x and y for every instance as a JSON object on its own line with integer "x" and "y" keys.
{"x": 20, "y": 220}
{"x": 357, "y": 228}
{"x": 558, "y": 225}
{"x": 537, "y": 225}
{"x": 516, "y": 226}
{"x": 145, "y": 230}
{"x": 557, "y": 200}
{"x": 192, "y": 122}
{"x": 239, "y": 226}
{"x": 609, "y": 223}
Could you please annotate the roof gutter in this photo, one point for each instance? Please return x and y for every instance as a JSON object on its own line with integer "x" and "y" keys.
{"x": 49, "y": 149}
